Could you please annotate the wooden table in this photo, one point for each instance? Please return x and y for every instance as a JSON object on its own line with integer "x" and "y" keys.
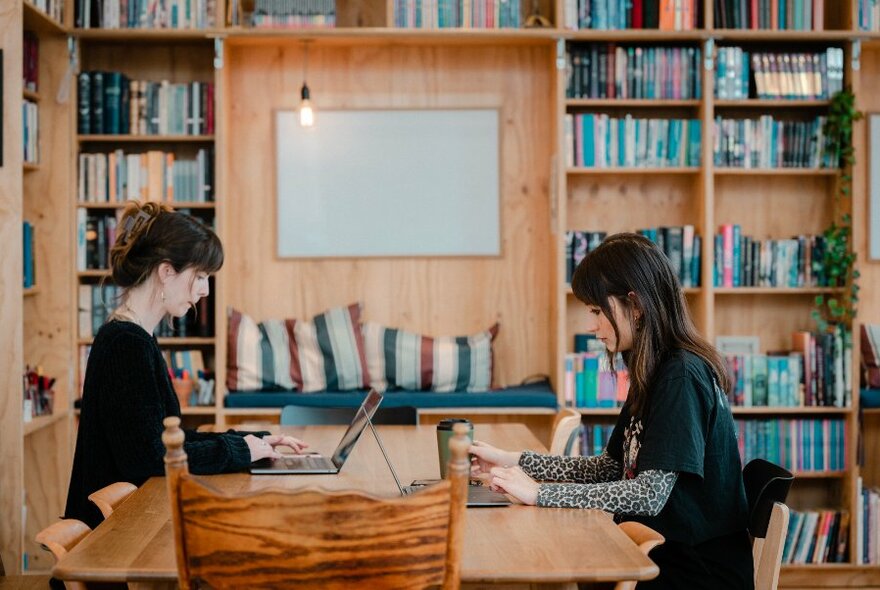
{"x": 501, "y": 545}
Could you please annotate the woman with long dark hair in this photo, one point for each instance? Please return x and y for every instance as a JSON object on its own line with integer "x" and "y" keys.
{"x": 672, "y": 461}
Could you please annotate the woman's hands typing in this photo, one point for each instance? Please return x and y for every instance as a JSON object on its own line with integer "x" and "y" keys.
{"x": 262, "y": 448}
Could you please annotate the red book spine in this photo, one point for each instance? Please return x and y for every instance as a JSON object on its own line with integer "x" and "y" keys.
{"x": 753, "y": 15}
{"x": 638, "y": 19}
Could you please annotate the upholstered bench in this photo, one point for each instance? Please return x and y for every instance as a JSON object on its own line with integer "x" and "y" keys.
{"x": 533, "y": 404}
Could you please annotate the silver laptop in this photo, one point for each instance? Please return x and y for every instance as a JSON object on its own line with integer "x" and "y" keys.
{"x": 315, "y": 464}
{"x": 479, "y": 496}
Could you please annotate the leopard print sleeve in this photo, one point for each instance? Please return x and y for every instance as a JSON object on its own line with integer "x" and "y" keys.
{"x": 570, "y": 469}
{"x": 644, "y": 495}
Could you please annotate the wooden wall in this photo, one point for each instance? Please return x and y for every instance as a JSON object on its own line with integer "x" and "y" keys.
{"x": 437, "y": 296}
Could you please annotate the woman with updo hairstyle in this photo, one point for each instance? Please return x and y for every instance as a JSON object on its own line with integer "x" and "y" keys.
{"x": 160, "y": 262}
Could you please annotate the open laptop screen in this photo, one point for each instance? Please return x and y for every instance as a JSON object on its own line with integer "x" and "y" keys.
{"x": 358, "y": 423}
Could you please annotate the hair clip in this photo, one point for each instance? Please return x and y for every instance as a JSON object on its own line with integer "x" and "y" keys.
{"x": 133, "y": 224}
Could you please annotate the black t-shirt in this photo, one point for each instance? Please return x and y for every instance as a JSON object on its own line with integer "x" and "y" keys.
{"x": 686, "y": 427}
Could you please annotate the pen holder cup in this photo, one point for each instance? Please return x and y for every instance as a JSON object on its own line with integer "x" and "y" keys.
{"x": 183, "y": 388}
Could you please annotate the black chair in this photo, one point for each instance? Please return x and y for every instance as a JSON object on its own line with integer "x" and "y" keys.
{"x": 767, "y": 487}
{"x": 293, "y": 415}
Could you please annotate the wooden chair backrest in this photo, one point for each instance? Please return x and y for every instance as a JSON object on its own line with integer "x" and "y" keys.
{"x": 567, "y": 421}
{"x": 643, "y": 536}
{"x": 62, "y": 536}
{"x": 109, "y": 497}
{"x": 312, "y": 538}
{"x": 767, "y": 552}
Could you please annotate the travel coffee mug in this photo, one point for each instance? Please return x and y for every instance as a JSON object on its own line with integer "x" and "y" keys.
{"x": 444, "y": 433}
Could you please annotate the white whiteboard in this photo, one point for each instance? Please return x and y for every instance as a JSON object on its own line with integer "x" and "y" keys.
{"x": 388, "y": 183}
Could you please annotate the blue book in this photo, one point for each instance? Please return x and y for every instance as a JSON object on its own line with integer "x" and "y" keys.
{"x": 737, "y": 255}
{"x": 589, "y": 125}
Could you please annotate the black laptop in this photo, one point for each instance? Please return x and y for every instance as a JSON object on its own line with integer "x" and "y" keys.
{"x": 309, "y": 464}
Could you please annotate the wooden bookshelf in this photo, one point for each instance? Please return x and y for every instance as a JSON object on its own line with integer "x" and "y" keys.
{"x": 30, "y": 167}
{"x": 40, "y": 422}
{"x": 120, "y": 205}
{"x": 31, "y": 95}
{"x": 512, "y": 70}
{"x": 775, "y": 290}
{"x": 31, "y": 291}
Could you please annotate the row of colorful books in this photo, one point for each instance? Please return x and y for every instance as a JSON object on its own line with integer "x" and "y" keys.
{"x": 612, "y": 71}
{"x": 743, "y": 261}
{"x": 28, "y": 250}
{"x": 442, "y": 14}
{"x": 294, "y": 14}
{"x": 868, "y": 524}
{"x": 775, "y": 15}
{"x": 190, "y": 364}
{"x": 30, "y": 122}
{"x": 680, "y": 244}
{"x": 591, "y": 382}
{"x": 153, "y": 175}
{"x": 53, "y": 8}
{"x": 868, "y": 17}
{"x": 95, "y": 234}
{"x": 770, "y": 143}
{"x": 145, "y": 14}
{"x": 111, "y": 103}
{"x": 800, "y": 445}
{"x": 790, "y": 76}
{"x": 666, "y": 15}
{"x": 593, "y": 439}
{"x": 816, "y": 536}
{"x": 97, "y": 301}
{"x": 815, "y": 372}
{"x": 601, "y": 141}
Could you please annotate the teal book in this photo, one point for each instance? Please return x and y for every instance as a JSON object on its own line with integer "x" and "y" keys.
{"x": 590, "y": 390}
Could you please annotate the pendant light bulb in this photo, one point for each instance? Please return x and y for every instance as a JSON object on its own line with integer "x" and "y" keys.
{"x": 306, "y": 114}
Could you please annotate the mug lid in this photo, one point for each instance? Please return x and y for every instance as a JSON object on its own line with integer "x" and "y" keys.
{"x": 448, "y": 423}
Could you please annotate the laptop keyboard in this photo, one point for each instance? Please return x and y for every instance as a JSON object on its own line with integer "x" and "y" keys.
{"x": 305, "y": 461}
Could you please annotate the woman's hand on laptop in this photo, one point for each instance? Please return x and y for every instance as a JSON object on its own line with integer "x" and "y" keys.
{"x": 260, "y": 449}
{"x": 514, "y": 482}
{"x": 281, "y": 440}
{"x": 484, "y": 457}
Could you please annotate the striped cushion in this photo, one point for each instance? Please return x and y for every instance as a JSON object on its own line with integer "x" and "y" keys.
{"x": 403, "y": 360}
{"x": 261, "y": 356}
{"x": 331, "y": 351}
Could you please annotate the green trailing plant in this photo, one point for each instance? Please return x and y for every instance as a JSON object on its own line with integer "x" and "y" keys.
{"x": 838, "y": 265}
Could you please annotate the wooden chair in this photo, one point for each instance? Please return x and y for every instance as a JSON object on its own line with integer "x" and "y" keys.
{"x": 643, "y": 536}
{"x": 61, "y": 537}
{"x": 109, "y": 497}
{"x": 566, "y": 423}
{"x": 312, "y": 538}
{"x": 767, "y": 487}
{"x": 296, "y": 415}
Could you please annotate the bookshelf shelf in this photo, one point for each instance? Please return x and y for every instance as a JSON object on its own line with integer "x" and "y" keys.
{"x": 686, "y": 290}
{"x": 775, "y": 290}
{"x": 631, "y": 171}
{"x": 630, "y": 35}
{"x": 30, "y": 167}
{"x": 767, "y": 103}
{"x": 629, "y": 103}
{"x": 819, "y": 474}
{"x": 38, "y": 21}
{"x": 790, "y": 411}
{"x": 120, "y": 205}
{"x": 725, "y": 35}
{"x": 165, "y": 341}
{"x": 40, "y": 422}
{"x": 30, "y": 291}
{"x": 252, "y": 411}
{"x": 598, "y": 412}
{"x": 157, "y": 35}
{"x": 384, "y": 35}
{"x": 145, "y": 138}
{"x": 775, "y": 171}
{"x": 31, "y": 95}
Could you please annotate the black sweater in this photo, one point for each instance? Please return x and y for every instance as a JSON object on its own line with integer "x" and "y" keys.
{"x": 126, "y": 395}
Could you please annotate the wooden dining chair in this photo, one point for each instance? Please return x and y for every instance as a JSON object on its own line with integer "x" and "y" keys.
{"x": 313, "y": 538}
{"x": 565, "y": 424}
{"x": 109, "y": 497}
{"x": 767, "y": 487}
{"x": 643, "y": 536}
{"x": 61, "y": 537}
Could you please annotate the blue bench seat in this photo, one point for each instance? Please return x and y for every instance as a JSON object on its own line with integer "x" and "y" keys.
{"x": 534, "y": 395}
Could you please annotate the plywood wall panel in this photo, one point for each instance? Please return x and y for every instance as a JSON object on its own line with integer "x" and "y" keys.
{"x": 439, "y": 296}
